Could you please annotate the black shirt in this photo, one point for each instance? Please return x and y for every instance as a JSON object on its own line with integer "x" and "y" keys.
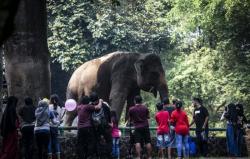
{"x": 27, "y": 114}
{"x": 199, "y": 116}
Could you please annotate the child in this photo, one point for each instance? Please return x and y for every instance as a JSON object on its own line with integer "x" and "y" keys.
{"x": 115, "y": 135}
{"x": 180, "y": 120}
{"x": 162, "y": 119}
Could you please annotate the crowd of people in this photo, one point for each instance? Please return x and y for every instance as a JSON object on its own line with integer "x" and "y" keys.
{"x": 31, "y": 122}
{"x": 172, "y": 127}
{"x": 98, "y": 135}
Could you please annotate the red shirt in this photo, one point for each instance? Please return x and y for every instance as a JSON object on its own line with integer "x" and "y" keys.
{"x": 179, "y": 117}
{"x": 162, "y": 118}
{"x": 139, "y": 115}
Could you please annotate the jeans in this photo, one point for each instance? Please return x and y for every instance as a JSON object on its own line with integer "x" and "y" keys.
{"x": 27, "y": 141}
{"x": 202, "y": 142}
{"x": 116, "y": 147}
{"x": 54, "y": 143}
{"x": 231, "y": 140}
{"x": 42, "y": 140}
{"x": 182, "y": 143}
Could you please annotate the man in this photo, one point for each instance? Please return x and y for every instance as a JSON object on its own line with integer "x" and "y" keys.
{"x": 85, "y": 135}
{"x": 139, "y": 115}
{"x": 101, "y": 120}
{"x": 170, "y": 108}
{"x": 200, "y": 118}
{"x": 27, "y": 114}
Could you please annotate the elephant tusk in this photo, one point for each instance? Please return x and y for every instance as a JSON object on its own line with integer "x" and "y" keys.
{"x": 151, "y": 89}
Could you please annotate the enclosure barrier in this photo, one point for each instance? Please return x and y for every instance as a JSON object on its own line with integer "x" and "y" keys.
{"x": 216, "y": 142}
{"x": 128, "y": 128}
{"x": 152, "y": 129}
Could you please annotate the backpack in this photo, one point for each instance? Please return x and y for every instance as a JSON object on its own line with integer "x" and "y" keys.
{"x": 98, "y": 118}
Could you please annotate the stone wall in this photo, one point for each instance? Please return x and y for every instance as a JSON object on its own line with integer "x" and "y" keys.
{"x": 216, "y": 147}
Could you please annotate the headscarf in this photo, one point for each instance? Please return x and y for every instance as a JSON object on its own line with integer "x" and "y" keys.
{"x": 9, "y": 118}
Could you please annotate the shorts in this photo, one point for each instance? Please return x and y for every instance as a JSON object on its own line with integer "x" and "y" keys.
{"x": 142, "y": 135}
{"x": 163, "y": 141}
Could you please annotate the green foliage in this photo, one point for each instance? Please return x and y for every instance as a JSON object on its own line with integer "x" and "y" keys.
{"x": 204, "y": 45}
{"x": 213, "y": 40}
{"x": 202, "y": 73}
{"x": 81, "y": 30}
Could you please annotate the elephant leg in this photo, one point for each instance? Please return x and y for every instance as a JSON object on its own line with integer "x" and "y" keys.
{"x": 117, "y": 98}
{"x": 130, "y": 100}
{"x": 69, "y": 117}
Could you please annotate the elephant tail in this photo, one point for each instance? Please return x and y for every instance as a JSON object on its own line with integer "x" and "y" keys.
{"x": 70, "y": 94}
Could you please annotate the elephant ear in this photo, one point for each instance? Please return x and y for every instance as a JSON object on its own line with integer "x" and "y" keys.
{"x": 138, "y": 67}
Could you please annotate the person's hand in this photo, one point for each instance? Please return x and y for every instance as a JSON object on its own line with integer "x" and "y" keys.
{"x": 203, "y": 127}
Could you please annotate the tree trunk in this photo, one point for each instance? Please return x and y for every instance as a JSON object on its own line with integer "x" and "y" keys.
{"x": 26, "y": 53}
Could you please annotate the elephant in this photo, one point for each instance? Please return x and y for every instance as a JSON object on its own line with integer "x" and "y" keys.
{"x": 117, "y": 78}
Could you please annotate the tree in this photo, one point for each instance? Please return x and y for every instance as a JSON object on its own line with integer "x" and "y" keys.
{"x": 213, "y": 45}
{"x": 204, "y": 45}
{"x": 26, "y": 52}
{"x": 82, "y": 30}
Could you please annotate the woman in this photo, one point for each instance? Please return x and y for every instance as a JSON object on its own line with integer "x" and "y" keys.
{"x": 58, "y": 113}
{"x": 241, "y": 121}
{"x": 180, "y": 120}
{"x": 230, "y": 114}
{"x": 42, "y": 128}
{"x": 10, "y": 130}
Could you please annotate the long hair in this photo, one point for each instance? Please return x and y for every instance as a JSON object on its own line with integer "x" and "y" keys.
{"x": 114, "y": 118}
{"x": 9, "y": 118}
{"x": 54, "y": 100}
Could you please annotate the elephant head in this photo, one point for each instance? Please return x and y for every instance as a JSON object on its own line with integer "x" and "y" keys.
{"x": 150, "y": 75}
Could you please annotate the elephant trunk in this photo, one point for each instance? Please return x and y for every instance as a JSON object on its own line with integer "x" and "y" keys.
{"x": 163, "y": 90}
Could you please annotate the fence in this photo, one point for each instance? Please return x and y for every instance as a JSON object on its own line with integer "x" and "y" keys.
{"x": 124, "y": 130}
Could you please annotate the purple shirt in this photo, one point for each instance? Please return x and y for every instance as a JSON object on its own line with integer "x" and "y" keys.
{"x": 84, "y": 115}
{"x": 139, "y": 115}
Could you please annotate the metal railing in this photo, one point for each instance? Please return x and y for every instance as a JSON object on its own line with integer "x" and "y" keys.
{"x": 128, "y": 128}
{"x": 152, "y": 129}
